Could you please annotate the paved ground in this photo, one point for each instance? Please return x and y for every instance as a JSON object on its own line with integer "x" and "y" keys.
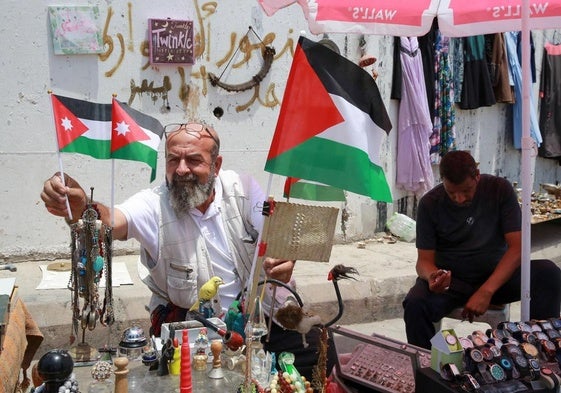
{"x": 372, "y": 303}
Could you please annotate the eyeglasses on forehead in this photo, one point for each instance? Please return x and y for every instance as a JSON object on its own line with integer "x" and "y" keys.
{"x": 195, "y": 129}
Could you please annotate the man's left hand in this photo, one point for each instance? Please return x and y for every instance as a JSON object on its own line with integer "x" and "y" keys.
{"x": 476, "y": 305}
{"x": 278, "y": 269}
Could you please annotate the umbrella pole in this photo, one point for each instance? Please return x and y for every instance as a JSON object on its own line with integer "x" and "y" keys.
{"x": 528, "y": 146}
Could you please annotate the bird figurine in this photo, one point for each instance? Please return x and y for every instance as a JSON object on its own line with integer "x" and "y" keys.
{"x": 293, "y": 317}
{"x": 207, "y": 292}
{"x": 339, "y": 272}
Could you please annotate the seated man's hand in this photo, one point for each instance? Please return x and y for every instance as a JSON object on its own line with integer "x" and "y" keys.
{"x": 439, "y": 281}
{"x": 476, "y": 305}
{"x": 278, "y": 269}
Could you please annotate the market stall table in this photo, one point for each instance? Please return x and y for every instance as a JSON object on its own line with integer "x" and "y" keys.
{"x": 143, "y": 380}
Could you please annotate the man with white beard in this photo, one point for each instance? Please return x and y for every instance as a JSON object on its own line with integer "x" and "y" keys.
{"x": 202, "y": 222}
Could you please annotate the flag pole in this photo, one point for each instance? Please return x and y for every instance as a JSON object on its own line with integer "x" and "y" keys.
{"x": 112, "y": 209}
{"x": 257, "y": 260}
{"x": 528, "y": 146}
{"x": 60, "y": 159}
{"x": 257, "y": 265}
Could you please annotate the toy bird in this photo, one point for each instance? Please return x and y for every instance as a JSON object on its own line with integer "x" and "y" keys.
{"x": 293, "y": 317}
{"x": 207, "y": 292}
{"x": 339, "y": 272}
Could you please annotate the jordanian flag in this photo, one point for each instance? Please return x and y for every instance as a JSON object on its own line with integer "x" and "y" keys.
{"x": 82, "y": 127}
{"x": 331, "y": 124}
{"x": 135, "y": 136}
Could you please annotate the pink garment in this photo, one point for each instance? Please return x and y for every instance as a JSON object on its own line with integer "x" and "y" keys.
{"x": 414, "y": 171}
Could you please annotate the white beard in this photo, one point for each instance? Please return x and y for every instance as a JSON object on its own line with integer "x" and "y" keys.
{"x": 187, "y": 193}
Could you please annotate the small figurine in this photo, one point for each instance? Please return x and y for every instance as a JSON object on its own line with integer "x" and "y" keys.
{"x": 216, "y": 372}
{"x": 207, "y": 292}
{"x": 165, "y": 358}
{"x": 201, "y": 347}
{"x": 201, "y": 342}
{"x": 293, "y": 317}
{"x": 121, "y": 374}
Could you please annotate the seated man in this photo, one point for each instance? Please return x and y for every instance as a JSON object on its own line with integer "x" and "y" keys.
{"x": 201, "y": 222}
{"x": 468, "y": 252}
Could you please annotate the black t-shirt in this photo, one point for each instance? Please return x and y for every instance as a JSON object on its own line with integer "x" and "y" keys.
{"x": 469, "y": 241}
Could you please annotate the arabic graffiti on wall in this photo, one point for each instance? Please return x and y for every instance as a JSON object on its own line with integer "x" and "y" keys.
{"x": 193, "y": 77}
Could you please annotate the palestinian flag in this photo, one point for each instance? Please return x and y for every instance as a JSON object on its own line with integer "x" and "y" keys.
{"x": 331, "y": 124}
{"x": 82, "y": 127}
{"x": 312, "y": 191}
{"x": 135, "y": 136}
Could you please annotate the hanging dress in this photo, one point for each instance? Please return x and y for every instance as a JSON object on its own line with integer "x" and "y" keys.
{"x": 511, "y": 40}
{"x": 498, "y": 66}
{"x": 477, "y": 90}
{"x": 443, "y": 137}
{"x": 550, "y": 102}
{"x": 414, "y": 172}
{"x": 457, "y": 56}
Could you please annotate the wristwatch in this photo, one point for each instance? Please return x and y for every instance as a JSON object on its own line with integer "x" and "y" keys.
{"x": 479, "y": 338}
{"x": 511, "y": 350}
{"x": 512, "y": 327}
{"x": 548, "y": 349}
{"x": 451, "y": 340}
{"x": 469, "y": 383}
{"x": 497, "y": 372}
{"x": 495, "y": 350}
{"x": 534, "y": 368}
{"x": 530, "y": 350}
{"x": 498, "y": 334}
{"x": 510, "y": 371}
{"x": 473, "y": 356}
{"x": 522, "y": 364}
{"x": 449, "y": 372}
{"x": 549, "y": 378}
{"x": 525, "y": 327}
{"x": 484, "y": 374}
{"x": 556, "y": 323}
{"x": 552, "y": 333}
{"x": 530, "y": 337}
{"x": 487, "y": 353}
{"x": 542, "y": 336}
{"x": 466, "y": 343}
{"x": 535, "y": 326}
{"x": 545, "y": 324}
{"x": 557, "y": 342}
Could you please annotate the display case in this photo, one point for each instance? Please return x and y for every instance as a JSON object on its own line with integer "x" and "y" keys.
{"x": 377, "y": 363}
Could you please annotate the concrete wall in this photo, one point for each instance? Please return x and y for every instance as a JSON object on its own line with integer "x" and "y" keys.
{"x": 29, "y": 68}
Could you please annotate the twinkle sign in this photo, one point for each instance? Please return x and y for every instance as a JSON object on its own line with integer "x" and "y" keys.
{"x": 171, "y": 41}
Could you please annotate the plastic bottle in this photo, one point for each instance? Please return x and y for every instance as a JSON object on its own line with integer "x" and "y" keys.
{"x": 402, "y": 226}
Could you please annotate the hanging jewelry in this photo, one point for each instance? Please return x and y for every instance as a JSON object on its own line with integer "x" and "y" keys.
{"x": 91, "y": 258}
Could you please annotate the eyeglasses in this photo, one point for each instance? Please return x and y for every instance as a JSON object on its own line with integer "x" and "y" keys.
{"x": 194, "y": 129}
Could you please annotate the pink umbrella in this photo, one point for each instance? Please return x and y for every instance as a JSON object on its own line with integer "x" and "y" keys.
{"x": 456, "y": 18}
